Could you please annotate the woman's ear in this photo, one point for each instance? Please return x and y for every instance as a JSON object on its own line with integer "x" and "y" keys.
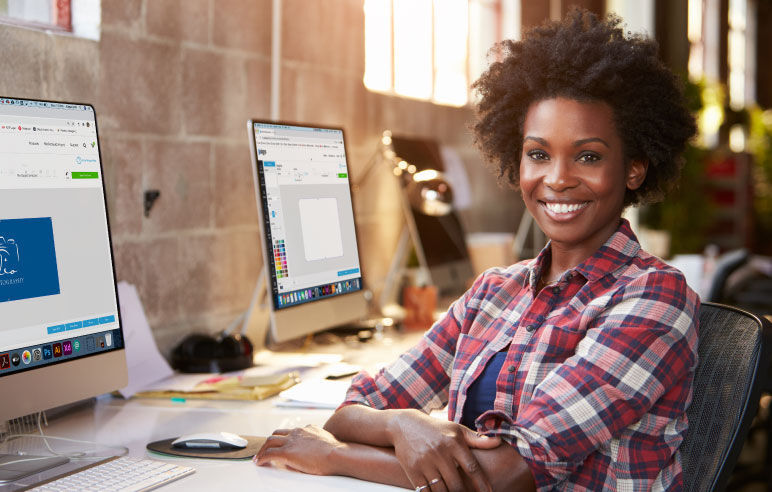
{"x": 636, "y": 173}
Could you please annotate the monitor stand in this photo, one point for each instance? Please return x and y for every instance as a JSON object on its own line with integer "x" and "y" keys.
{"x": 14, "y": 467}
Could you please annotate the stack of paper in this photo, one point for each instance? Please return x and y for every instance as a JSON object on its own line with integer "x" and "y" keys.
{"x": 220, "y": 387}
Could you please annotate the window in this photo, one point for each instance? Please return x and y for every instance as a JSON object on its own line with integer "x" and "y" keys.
{"x": 433, "y": 49}
{"x": 38, "y": 13}
{"x": 80, "y": 17}
{"x": 705, "y": 30}
{"x": 741, "y": 58}
{"x": 741, "y": 54}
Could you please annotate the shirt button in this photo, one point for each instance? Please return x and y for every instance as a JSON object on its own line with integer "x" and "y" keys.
{"x": 530, "y": 327}
{"x": 511, "y": 369}
{"x": 556, "y": 290}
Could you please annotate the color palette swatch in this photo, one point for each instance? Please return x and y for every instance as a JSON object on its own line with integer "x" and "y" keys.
{"x": 280, "y": 259}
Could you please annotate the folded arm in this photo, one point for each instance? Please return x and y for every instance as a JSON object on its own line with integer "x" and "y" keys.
{"x": 316, "y": 451}
{"x": 429, "y": 448}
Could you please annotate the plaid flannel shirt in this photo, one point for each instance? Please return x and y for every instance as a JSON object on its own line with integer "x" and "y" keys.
{"x": 598, "y": 375}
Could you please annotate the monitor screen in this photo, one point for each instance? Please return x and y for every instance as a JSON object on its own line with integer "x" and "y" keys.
{"x": 307, "y": 221}
{"x": 60, "y": 336}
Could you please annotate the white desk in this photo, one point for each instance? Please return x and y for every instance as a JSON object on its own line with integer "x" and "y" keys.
{"x": 136, "y": 422}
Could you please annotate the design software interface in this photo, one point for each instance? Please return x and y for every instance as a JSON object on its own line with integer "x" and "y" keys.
{"x": 307, "y": 213}
{"x": 57, "y": 290}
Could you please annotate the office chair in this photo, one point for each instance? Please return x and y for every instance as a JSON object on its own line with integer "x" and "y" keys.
{"x": 725, "y": 265}
{"x": 733, "y": 364}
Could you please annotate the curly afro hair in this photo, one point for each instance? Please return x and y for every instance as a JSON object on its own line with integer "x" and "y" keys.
{"x": 587, "y": 59}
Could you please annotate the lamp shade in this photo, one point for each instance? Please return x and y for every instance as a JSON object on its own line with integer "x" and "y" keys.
{"x": 430, "y": 193}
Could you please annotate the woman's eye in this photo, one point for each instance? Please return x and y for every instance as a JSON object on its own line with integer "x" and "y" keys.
{"x": 538, "y": 155}
{"x": 589, "y": 157}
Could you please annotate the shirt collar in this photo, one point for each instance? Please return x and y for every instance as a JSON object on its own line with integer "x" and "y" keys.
{"x": 618, "y": 250}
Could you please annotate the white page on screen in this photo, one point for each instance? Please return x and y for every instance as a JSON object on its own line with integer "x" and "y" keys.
{"x": 320, "y": 224}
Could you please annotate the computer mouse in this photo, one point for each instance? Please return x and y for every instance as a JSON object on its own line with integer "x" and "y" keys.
{"x": 210, "y": 440}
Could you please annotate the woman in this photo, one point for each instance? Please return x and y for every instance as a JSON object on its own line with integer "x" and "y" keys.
{"x": 575, "y": 368}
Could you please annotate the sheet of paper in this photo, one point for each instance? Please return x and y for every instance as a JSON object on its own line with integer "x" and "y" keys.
{"x": 281, "y": 361}
{"x": 309, "y": 366}
{"x": 146, "y": 364}
{"x": 314, "y": 394}
{"x": 182, "y": 383}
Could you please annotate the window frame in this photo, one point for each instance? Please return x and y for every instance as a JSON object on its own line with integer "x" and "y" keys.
{"x": 60, "y": 22}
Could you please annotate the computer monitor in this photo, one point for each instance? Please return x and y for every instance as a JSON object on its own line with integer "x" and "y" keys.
{"x": 60, "y": 330}
{"x": 306, "y": 219}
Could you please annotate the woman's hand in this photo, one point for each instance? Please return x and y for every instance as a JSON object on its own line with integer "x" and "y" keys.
{"x": 306, "y": 449}
{"x": 431, "y": 451}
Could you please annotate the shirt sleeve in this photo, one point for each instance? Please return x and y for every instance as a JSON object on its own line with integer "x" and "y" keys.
{"x": 631, "y": 372}
{"x": 420, "y": 377}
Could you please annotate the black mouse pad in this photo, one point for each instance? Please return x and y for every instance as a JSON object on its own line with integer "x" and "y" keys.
{"x": 253, "y": 446}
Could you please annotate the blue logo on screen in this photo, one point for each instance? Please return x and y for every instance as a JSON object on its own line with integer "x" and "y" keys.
{"x": 9, "y": 256}
{"x": 27, "y": 259}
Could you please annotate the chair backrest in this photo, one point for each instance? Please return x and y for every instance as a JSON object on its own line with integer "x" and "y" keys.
{"x": 725, "y": 265}
{"x": 733, "y": 364}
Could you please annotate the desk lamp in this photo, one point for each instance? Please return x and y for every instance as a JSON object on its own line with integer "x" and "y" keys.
{"x": 427, "y": 191}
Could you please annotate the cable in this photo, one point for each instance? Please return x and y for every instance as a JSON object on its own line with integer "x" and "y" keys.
{"x": 233, "y": 324}
{"x": 24, "y": 460}
{"x": 73, "y": 456}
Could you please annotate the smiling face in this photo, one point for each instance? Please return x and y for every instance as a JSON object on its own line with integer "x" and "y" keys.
{"x": 573, "y": 174}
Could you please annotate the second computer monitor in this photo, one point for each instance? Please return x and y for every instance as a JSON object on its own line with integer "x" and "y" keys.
{"x": 306, "y": 218}
{"x": 61, "y": 338}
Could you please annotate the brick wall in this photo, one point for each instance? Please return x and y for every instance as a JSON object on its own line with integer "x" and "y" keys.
{"x": 173, "y": 83}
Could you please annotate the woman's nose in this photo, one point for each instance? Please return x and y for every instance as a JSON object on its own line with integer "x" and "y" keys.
{"x": 560, "y": 175}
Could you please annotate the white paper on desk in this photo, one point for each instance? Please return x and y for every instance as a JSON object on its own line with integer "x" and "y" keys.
{"x": 146, "y": 365}
{"x": 321, "y": 393}
{"x": 182, "y": 383}
{"x": 308, "y": 365}
{"x": 286, "y": 361}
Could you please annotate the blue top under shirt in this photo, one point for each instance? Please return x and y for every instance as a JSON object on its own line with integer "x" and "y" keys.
{"x": 482, "y": 392}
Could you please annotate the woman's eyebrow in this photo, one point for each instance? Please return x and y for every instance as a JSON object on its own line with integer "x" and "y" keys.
{"x": 588, "y": 140}
{"x": 538, "y": 140}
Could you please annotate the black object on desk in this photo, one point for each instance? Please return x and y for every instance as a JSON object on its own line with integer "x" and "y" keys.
{"x": 205, "y": 353}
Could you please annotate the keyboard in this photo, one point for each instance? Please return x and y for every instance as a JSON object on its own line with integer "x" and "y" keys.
{"x": 119, "y": 474}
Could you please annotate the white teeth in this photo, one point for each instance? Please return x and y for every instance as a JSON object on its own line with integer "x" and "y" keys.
{"x": 564, "y": 208}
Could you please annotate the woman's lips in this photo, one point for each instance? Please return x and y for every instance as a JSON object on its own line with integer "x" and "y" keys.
{"x": 563, "y": 210}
